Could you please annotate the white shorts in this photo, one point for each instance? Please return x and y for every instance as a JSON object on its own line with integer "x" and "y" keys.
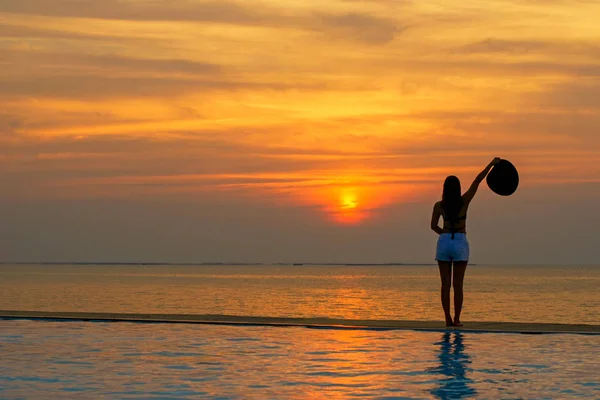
{"x": 449, "y": 249}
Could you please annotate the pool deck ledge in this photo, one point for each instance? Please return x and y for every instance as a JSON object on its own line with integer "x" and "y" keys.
{"x": 325, "y": 323}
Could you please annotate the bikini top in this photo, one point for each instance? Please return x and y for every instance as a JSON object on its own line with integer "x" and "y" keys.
{"x": 448, "y": 222}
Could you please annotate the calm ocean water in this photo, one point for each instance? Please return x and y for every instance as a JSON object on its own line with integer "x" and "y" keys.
{"x": 562, "y": 294}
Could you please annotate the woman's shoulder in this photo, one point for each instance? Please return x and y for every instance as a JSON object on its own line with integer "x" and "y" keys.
{"x": 466, "y": 200}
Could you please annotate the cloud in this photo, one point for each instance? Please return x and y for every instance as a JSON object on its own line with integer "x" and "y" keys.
{"x": 536, "y": 129}
{"x": 110, "y": 61}
{"x": 158, "y": 10}
{"x": 14, "y": 31}
{"x": 500, "y": 68}
{"x": 86, "y": 87}
{"x": 544, "y": 47}
{"x": 493, "y": 45}
{"x": 11, "y": 127}
{"x": 93, "y": 87}
{"x": 355, "y": 26}
{"x": 360, "y": 27}
{"x": 9, "y": 124}
{"x": 574, "y": 95}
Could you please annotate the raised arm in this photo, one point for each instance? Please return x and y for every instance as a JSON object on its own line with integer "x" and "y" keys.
{"x": 435, "y": 218}
{"x": 469, "y": 194}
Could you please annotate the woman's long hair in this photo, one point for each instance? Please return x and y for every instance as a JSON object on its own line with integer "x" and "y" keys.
{"x": 452, "y": 201}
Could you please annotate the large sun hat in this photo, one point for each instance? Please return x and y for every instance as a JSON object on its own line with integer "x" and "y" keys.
{"x": 503, "y": 179}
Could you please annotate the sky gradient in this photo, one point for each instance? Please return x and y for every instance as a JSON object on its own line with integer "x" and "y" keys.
{"x": 295, "y": 130}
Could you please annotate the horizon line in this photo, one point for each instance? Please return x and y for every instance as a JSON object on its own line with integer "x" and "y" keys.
{"x": 221, "y": 263}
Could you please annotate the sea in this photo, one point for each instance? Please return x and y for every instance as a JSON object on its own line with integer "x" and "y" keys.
{"x": 78, "y": 359}
{"x": 549, "y": 294}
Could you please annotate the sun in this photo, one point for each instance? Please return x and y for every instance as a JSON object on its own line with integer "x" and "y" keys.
{"x": 351, "y": 201}
{"x": 348, "y": 208}
{"x": 356, "y": 200}
{"x": 348, "y": 201}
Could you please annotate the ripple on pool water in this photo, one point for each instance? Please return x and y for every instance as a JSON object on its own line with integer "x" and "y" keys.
{"x": 129, "y": 360}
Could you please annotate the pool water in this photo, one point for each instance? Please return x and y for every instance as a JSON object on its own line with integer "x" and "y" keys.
{"x": 50, "y": 359}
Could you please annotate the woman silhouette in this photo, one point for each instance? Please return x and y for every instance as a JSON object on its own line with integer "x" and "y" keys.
{"x": 452, "y": 246}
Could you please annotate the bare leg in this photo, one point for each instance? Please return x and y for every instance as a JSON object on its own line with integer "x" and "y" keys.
{"x": 457, "y": 282}
{"x": 446, "y": 276}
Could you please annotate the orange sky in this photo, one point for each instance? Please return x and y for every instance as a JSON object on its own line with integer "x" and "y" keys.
{"x": 345, "y": 106}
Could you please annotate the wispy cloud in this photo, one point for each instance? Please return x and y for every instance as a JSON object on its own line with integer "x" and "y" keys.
{"x": 101, "y": 62}
{"x": 363, "y": 28}
{"x": 360, "y": 26}
{"x": 161, "y": 10}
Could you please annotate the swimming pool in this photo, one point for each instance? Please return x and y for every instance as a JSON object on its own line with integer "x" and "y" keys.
{"x": 47, "y": 359}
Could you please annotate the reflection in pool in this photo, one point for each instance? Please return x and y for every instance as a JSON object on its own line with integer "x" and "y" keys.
{"x": 454, "y": 365}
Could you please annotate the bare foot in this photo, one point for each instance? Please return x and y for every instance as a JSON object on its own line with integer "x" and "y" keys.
{"x": 449, "y": 322}
{"x": 457, "y": 323}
